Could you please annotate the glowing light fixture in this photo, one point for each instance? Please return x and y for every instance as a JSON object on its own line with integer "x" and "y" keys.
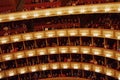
{"x": 118, "y": 78}
{"x": 50, "y": 35}
{"x": 70, "y": 11}
{"x": 33, "y": 69}
{"x": 11, "y": 73}
{"x": 95, "y": 34}
{"x": 82, "y": 10}
{"x": 1, "y": 76}
{"x": 119, "y": 9}
{"x": 65, "y": 66}
{"x": 86, "y": 68}
{"x": 30, "y": 54}
{"x": 11, "y": 18}
{"x": 108, "y": 35}
{"x": 0, "y": 20}
{"x": 52, "y": 51}
{"x": 55, "y": 67}
{"x": 61, "y": 34}
{"x": 19, "y": 56}
{"x": 27, "y": 37}
{"x": 7, "y": 57}
{"x": 108, "y": 55}
{"x": 94, "y": 10}
{"x": 47, "y": 13}
{"x": 118, "y": 58}
{"x": 107, "y": 9}
{"x": 63, "y": 51}
{"x": 85, "y": 51}
{"x": 22, "y": 71}
{"x": 59, "y": 12}
{"x": 96, "y": 53}
{"x": 118, "y": 37}
{"x": 4, "y": 41}
{"x": 39, "y": 36}
{"x": 35, "y": 15}
{"x": 24, "y": 16}
{"x": 16, "y": 39}
{"x": 44, "y": 68}
{"x": 72, "y": 33}
{"x": 74, "y": 51}
{"x": 108, "y": 73}
{"x": 75, "y": 66}
{"x": 97, "y": 69}
{"x": 83, "y": 34}
{"x": 41, "y": 52}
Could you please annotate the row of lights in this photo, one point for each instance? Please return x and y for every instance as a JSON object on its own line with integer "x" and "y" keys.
{"x": 53, "y": 66}
{"x": 63, "y": 50}
{"x": 61, "y": 33}
{"x": 60, "y": 12}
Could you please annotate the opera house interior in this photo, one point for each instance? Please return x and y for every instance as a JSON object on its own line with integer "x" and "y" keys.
{"x": 59, "y": 39}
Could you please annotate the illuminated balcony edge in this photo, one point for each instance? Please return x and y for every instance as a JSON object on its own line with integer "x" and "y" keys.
{"x": 104, "y": 70}
{"x": 103, "y": 33}
{"x": 81, "y": 9}
{"x": 65, "y": 78}
{"x": 58, "y": 50}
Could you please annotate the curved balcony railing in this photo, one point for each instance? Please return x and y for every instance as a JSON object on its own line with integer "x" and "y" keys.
{"x": 64, "y": 78}
{"x": 83, "y": 9}
{"x": 61, "y": 50}
{"x": 61, "y": 65}
{"x": 104, "y": 33}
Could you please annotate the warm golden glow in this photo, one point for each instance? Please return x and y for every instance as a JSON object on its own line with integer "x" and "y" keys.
{"x": 70, "y": 11}
{"x": 0, "y": 19}
{"x": 44, "y": 68}
{"x": 47, "y": 13}
{"x": 108, "y": 55}
{"x": 24, "y": 16}
{"x": 94, "y": 9}
{"x": 86, "y": 67}
{"x": 82, "y": 10}
{"x": 7, "y": 57}
{"x": 61, "y": 65}
{"x": 19, "y": 56}
{"x": 107, "y": 9}
{"x": 85, "y": 52}
{"x": 55, "y": 66}
{"x": 59, "y": 12}
{"x": 119, "y": 9}
{"x": 65, "y": 66}
{"x": 22, "y": 70}
{"x": 108, "y": 35}
{"x": 33, "y": 69}
{"x": 109, "y": 73}
{"x": 11, "y": 73}
{"x": 35, "y": 15}
{"x": 76, "y": 66}
{"x": 97, "y": 69}
{"x": 11, "y": 18}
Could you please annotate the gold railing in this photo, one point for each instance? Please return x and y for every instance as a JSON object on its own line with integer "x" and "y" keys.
{"x": 103, "y": 33}
{"x": 61, "y": 65}
{"x": 62, "y": 50}
{"x": 65, "y": 78}
{"x": 82, "y": 9}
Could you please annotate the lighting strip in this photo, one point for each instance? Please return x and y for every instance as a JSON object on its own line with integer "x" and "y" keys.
{"x": 61, "y": 65}
{"x": 103, "y": 33}
{"x": 81, "y": 9}
{"x": 62, "y": 50}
